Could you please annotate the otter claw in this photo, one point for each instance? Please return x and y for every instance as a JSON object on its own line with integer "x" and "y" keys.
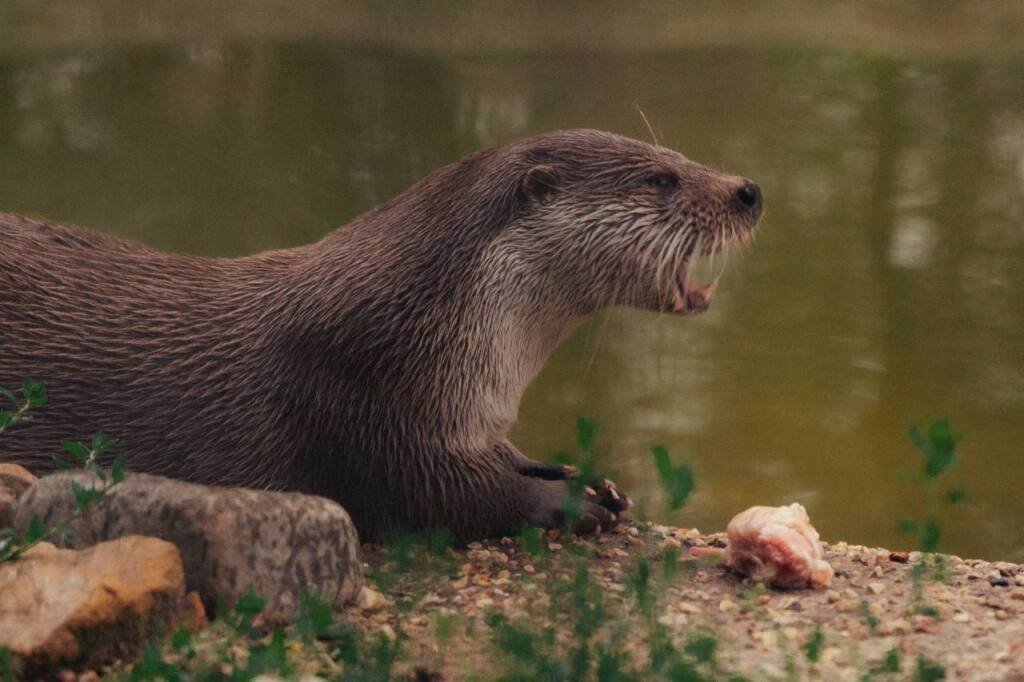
{"x": 608, "y": 496}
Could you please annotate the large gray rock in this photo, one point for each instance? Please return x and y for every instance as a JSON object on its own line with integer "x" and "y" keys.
{"x": 231, "y": 540}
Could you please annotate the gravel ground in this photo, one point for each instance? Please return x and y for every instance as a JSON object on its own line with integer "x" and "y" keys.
{"x": 967, "y": 616}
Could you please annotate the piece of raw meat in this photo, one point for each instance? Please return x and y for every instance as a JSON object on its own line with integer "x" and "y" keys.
{"x": 778, "y": 546}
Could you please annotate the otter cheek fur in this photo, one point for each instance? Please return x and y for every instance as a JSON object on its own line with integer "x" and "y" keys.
{"x": 383, "y": 365}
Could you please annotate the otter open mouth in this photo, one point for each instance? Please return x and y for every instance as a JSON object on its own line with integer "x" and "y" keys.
{"x": 691, "y": 297}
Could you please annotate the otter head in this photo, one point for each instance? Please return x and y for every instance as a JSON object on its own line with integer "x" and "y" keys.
{"x": 606, "y": 220}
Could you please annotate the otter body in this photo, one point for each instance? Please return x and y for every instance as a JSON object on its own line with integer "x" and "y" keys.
{"x": 381, "y": 366}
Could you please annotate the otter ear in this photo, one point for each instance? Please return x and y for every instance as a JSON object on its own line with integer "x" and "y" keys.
{"x": 540, "y": 183}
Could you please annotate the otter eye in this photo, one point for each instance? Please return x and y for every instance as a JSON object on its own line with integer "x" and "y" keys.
{"x": 662, "y": 180}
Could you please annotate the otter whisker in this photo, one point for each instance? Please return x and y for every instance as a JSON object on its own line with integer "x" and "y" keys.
{"x": 650, "y": 128}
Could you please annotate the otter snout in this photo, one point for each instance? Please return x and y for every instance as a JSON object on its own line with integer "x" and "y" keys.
{"x": 747, "y": 197}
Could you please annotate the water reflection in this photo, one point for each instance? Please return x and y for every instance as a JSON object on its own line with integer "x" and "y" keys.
{"x": 886, "y": 285}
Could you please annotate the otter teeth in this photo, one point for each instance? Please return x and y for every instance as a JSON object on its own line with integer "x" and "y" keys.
{"x": 694, "y": 298}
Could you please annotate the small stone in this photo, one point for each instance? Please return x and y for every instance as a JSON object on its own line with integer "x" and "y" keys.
{"x": 999, "y": 582}
{"x": 961, "y": 617}
{"x": 847, "y": 605}
{"x": 429, "y": 598}
{"x": 899, "y": 557}
{"x": 633, "y": 531}
{"x": 671, "y": 543}
{"x": 925, "y": 624}
{"x": 554, "y": 546}
{"x": 899, "y": 626}
{"x": 15, "y": 478}
{"x": 876, "y": 588}
{"x": 687, "y": 607}
{"x": 528, "y": 568}
{"x": 388, "y": 632}
{"x": 727, "y": 606}
{"x": 369, "y": 599}
{"x": 14, "y": 481}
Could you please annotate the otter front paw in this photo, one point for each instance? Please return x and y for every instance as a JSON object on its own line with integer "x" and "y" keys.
{"x": 592, "y": 510}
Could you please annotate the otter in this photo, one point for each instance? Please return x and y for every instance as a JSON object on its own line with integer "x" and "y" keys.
{"x": 381, "y": 366}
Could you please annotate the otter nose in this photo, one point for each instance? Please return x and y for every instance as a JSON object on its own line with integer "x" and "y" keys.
{"x": 749, "y": 197}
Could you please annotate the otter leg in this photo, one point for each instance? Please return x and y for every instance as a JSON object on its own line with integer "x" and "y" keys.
{"x": 526, "y": 466}
{"x": 600, "y": 506}
{"x": 598, "y": 510}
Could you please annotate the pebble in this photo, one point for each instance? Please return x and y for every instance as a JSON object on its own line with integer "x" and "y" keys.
{"x": 876, "y": 588}
{"x": 371, "y": 600}
{"x": 847, "y": 605}
{"x": 900, "y": 626}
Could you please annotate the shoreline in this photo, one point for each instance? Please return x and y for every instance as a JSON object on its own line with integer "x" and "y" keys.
{"x": 970, "y": 621}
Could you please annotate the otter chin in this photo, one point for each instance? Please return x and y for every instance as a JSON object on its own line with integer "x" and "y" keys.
{"x": 383, "y": 365}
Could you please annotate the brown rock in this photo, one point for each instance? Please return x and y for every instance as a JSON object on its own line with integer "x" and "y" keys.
{"x": 92, "y": 606}
{"x": 14, "y": 480}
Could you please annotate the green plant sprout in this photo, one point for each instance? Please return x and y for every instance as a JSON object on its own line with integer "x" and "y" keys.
{"x": 14, "y": 545}
{"x": 938, "y": 447}
{"x": 33, "y": 395}
{"x": 676, "y": 481}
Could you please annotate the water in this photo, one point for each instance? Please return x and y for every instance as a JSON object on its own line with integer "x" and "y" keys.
{"x": 886, "y": 287}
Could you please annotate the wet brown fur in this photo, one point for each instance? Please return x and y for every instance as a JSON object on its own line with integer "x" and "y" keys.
{"x": 381, "y": 366}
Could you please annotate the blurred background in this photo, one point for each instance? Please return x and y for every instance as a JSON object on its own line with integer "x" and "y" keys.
{"x": 886, "y": 287}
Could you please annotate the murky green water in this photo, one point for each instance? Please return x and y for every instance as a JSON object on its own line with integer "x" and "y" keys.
{"x": 887, "y": 285}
